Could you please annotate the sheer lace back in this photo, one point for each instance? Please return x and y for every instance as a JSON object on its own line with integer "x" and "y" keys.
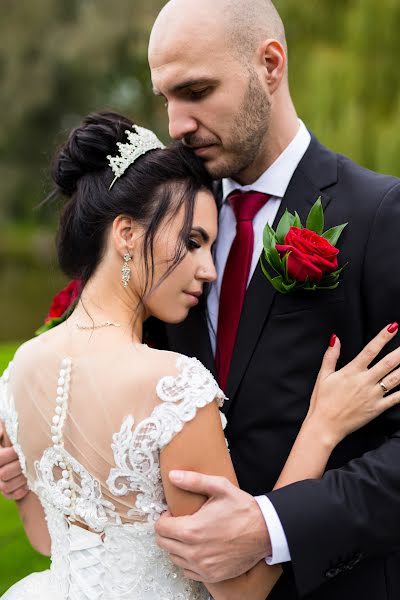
{"x": 89, "y": 430}
{"x": 98, "y": 461}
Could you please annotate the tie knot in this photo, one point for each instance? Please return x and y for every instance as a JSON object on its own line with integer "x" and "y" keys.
{"x": 247, "y": 204}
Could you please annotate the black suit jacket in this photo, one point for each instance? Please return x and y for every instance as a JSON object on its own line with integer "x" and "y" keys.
{"x": 344, "y": 530}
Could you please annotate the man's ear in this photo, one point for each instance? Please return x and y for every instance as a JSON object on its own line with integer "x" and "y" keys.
{"x": 272, "y": 57}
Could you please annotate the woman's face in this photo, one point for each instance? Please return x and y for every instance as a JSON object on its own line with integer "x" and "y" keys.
{"x": 180, "y": 291}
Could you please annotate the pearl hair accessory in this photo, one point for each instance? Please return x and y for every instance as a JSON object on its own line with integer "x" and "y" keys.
{"x": 141, "y": 141}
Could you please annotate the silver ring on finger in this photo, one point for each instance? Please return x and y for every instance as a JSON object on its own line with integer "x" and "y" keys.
{"x": 383, "y": 386}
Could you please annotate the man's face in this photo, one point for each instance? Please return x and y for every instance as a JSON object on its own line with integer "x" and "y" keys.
{"x": 216, "y": 104}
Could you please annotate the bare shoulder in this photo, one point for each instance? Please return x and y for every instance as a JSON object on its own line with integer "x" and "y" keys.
{"x": 34, "y": 350}
{"x": 27, "y": 355}
{"x": 167, "y": 363}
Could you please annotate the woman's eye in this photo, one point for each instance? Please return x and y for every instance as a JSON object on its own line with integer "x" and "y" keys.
{"x": 193, "y": 245}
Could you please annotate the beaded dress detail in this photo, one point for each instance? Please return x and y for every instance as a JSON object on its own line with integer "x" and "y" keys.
{"x": 114, "y": 556}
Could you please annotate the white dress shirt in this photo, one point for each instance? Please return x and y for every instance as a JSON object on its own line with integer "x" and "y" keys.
{"x": 274, "y": 182}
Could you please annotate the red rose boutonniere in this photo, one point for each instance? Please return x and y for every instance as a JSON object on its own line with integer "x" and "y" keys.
{"x": 63, "y": 304}
{"x": 302, "y": 257}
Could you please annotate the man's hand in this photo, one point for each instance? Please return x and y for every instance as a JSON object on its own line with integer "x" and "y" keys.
{"x": 13, "y": 484}
{"x": 224, "y": 539}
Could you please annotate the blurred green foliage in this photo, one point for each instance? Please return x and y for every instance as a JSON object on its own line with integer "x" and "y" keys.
{"x": 29, "y": 277}
{"x": 61, "y": 60}
{"x": 17, "y": 558}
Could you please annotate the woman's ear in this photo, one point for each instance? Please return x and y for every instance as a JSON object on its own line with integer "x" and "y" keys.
{"x": 125, "y": 234}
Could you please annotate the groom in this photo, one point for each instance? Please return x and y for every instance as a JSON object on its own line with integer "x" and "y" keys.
{"x": 221, "y": 66}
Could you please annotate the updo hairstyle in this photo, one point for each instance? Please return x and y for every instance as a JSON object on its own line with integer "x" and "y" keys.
{"x": 157, "y": 185}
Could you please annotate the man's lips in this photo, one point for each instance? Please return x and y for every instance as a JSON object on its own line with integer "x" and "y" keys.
{"x": 201, "y": 150}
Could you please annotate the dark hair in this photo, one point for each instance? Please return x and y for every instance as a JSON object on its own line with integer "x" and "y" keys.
{"x": 158, "y": 184}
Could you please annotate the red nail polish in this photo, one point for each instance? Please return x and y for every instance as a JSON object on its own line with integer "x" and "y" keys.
{"x": 393, "y": 327}
{"x": 332, "y": 340}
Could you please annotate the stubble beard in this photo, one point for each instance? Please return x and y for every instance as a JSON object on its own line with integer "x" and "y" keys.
{"x": 248, "y": 134}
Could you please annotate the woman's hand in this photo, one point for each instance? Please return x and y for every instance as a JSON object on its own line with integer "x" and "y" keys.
{"x": 13, "y": 484}
{"x": 346, "y": 400}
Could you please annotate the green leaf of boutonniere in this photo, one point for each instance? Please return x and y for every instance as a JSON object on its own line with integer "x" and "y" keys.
{"x": 332, "y": 235}
{"x": 274, "y": 259}
{"x": 269, "y": 238}
{"x": 315, "y": 220}
{"x": 284, "y": 225}
{"x": 297, "y": 221}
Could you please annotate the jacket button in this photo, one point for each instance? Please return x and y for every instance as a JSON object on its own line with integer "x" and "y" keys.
{"x": 357, "y": 558}
{"x": 332, "y": 573}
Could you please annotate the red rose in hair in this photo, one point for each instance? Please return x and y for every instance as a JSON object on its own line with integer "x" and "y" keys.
{"x": 63, "y": 300}
{"x": 310, "y": 255}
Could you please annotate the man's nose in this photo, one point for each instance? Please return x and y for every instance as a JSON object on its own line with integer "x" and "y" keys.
{"x": 180, "y": 123}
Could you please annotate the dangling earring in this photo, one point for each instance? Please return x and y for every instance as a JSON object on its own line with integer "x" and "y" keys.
{"x": 126, "y": 272}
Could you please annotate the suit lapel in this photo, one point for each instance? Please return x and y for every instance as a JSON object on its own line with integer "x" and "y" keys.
{"x": 318, "y": 169}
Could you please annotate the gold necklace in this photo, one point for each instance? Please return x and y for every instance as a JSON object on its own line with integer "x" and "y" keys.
{"x": 99, "y": 326}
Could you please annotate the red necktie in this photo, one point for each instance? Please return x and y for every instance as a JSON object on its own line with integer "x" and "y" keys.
{"x": 234, "y": 283}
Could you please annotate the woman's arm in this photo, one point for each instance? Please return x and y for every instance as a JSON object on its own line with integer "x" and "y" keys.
{"x": 31, "y": 513}
{"x": 33, "y": 519}
{"x": 201, "y": 447}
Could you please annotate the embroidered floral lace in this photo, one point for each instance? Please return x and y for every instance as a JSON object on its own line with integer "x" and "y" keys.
{"x": 115, "y": 556}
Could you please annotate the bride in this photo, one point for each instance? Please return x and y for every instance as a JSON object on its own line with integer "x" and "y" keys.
{"x": 98, "y": 419}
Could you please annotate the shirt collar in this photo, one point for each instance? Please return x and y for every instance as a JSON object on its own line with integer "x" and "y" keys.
{"x": 275, "y": 180}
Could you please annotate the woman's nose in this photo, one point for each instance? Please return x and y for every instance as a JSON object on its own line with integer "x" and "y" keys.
{"x": 208, "y": 272}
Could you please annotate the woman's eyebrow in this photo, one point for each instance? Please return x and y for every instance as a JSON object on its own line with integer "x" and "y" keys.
{"x": 203, "y": 233}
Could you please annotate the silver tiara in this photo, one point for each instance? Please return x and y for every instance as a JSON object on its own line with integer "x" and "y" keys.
{"x": 141, "y": 140}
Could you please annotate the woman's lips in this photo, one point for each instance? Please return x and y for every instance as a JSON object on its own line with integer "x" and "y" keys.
{"x": 194, "y": 297}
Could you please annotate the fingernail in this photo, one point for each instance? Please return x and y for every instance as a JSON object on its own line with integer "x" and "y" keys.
{"x": 176, "y": 476}
{"x": 332, "y": 340}
{"x": 393, "y": 327}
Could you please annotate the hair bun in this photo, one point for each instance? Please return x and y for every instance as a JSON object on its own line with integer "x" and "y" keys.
{"x": 87, "y": 148}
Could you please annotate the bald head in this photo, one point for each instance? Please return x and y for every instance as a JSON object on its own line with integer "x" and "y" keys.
{"x": 250, "y": 22}
{"x": 244, "y": 24}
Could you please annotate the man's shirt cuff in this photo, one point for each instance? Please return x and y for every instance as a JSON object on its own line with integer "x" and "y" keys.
{"x": 279, "y": 545}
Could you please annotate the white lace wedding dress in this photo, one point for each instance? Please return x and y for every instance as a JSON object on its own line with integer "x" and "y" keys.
{"x": 109, "y": 484}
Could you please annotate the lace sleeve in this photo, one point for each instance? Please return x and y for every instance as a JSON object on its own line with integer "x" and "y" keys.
{"x": 136, "y": 449}
{"x": 182, "y": 395}
{"x": 9, "y": 416}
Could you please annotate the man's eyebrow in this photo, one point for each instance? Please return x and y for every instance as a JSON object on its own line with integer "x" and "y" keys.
{"x": 188, "y": 83}
{"x": 203, "y": 233}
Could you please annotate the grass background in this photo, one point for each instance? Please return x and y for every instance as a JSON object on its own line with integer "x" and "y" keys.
{"x": 17, "y": 558}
